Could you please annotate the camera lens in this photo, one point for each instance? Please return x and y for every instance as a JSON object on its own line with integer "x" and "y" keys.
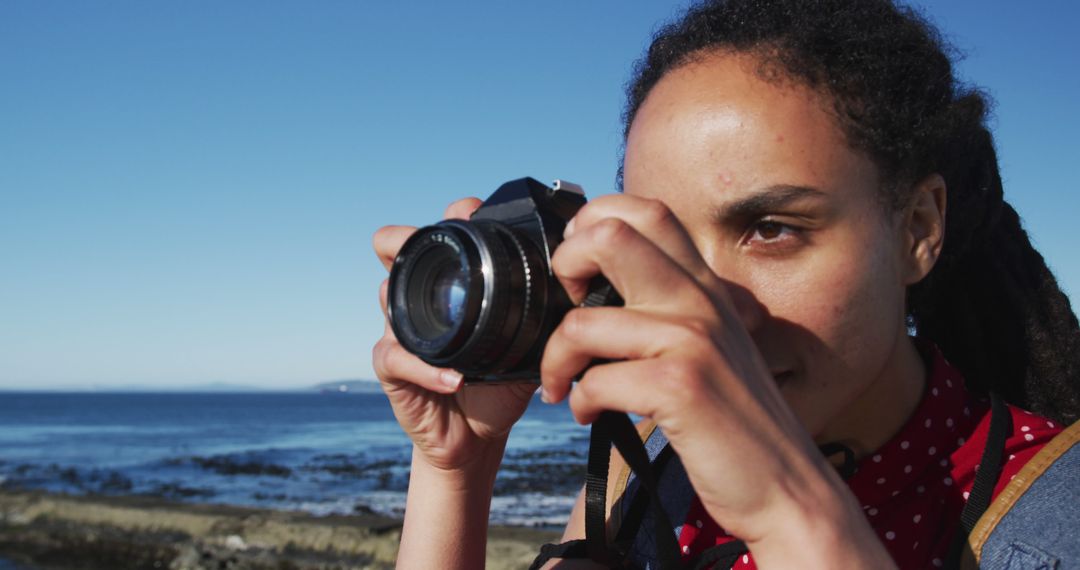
{"x": 468, "y": 295}
{"x": 436, "y": 292}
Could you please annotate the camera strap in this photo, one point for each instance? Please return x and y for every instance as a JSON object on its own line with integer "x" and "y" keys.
{"x": 616, "y": 428}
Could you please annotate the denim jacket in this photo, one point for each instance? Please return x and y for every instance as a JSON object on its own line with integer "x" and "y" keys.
{"x": 1034, "y": 524}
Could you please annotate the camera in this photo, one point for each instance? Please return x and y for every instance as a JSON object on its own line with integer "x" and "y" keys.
{"x": 479, "y": 296}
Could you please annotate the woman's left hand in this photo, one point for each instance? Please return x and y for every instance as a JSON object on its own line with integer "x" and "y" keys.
{"x": 684, "y": 358}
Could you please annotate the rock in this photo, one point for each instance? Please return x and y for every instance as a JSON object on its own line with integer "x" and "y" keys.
{"x": 187, "y": 559}
{"x": 235, "y": 542}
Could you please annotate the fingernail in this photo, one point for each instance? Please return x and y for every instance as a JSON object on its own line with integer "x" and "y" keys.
{"x": 569, "y": 228}
{"x": 544, "y": 396}
{"x": 451, "y": 379}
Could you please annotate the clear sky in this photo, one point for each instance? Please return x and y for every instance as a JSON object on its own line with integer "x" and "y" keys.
{"x": 188, "y": 189}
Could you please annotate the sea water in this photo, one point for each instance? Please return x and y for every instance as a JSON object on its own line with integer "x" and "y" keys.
{"x": 318, "y": 452}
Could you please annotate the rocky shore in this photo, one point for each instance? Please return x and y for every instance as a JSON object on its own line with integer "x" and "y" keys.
{"x": 60, "y": 532}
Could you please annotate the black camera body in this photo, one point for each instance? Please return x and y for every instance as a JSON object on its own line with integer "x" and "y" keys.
{"x": 479, "y": 296}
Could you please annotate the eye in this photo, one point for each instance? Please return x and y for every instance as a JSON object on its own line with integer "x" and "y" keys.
{"x": 770, "y": 231}
{"x": 769, "y": 236}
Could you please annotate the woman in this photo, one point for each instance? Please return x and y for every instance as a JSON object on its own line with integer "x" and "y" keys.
{"x": 803, "y": 182}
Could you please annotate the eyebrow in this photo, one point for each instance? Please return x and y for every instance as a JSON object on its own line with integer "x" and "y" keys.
{"x": 766, "y": 200}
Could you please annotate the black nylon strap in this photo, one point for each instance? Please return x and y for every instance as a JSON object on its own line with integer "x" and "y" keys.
{"x": 982, "y": 490}
{"x": 615, "y": 428}
{"x": 570, "y": 549}
{"x": 848, "y": 468}
{"x": 596, "y": 493}
{"x": 631, "y": 522}
{"x": 630, "y": 446}
{"x": 721, "y": 556}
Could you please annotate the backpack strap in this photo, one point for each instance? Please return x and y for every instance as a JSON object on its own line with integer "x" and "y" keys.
{"x": 982, "y": 490}
{"x": 1047, "y": 487}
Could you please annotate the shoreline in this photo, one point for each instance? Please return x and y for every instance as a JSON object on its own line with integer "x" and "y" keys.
{"x": 52, "y": 531}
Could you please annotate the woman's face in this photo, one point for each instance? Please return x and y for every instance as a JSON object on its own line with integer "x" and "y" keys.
{"x": 784, "y": 210}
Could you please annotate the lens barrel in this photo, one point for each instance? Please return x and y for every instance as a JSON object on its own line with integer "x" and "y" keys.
{"x": 469, "y": 295}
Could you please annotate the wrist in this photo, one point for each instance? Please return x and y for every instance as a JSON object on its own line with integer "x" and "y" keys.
{"x": 476, "y": 472}
{"x": 822, "y": 528}
{"x": 446, "y": 512}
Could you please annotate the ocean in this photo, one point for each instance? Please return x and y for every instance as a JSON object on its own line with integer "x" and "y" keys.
{"x": 322, "y": 453}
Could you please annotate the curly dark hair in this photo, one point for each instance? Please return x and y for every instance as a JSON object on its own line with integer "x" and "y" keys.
{"x": 990, "y": 303}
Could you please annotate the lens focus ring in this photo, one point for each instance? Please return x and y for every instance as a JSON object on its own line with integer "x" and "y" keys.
{"x": 455, "y": 294}
{"x": 423, "y": 264}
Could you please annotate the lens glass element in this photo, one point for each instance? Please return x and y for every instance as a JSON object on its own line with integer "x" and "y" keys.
{"x": 436, "y": 292}
{"x": 448, "y": 294}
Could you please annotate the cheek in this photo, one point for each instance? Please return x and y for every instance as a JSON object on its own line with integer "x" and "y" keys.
{"x": 834, "y": 296}
{"x": 838, "y": 315}
{"x": 860, "y": 310}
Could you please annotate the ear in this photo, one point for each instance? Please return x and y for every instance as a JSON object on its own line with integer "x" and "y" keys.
{"x": 923, "y": 228}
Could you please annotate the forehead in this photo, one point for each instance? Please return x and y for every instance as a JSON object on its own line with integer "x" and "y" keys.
{"x": 717, "y": 122}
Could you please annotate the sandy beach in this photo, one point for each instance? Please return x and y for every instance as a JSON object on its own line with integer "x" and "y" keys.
{"x": 51, "y": 531}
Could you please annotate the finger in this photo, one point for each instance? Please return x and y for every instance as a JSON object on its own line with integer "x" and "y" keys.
{"x": 393, "y": 364}
{"x": 652, "y": 219}
{"x": 462, "y": 209}
{"x": 641, "y": 273}
{"x": 616, "y": 386}
{"x": 388, "y": 331}
{"x": 608, "y": 333}
{"x": 384, "y": 290}
{"x": 388, "y": 240}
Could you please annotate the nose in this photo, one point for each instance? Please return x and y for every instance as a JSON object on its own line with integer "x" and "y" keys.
{"x": 751, "y": 312}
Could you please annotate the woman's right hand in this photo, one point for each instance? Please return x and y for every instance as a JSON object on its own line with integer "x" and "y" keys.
{"x": 450, "y": 425}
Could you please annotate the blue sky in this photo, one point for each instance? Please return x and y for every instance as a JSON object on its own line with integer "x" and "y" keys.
{"x": 188, "y": 189}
